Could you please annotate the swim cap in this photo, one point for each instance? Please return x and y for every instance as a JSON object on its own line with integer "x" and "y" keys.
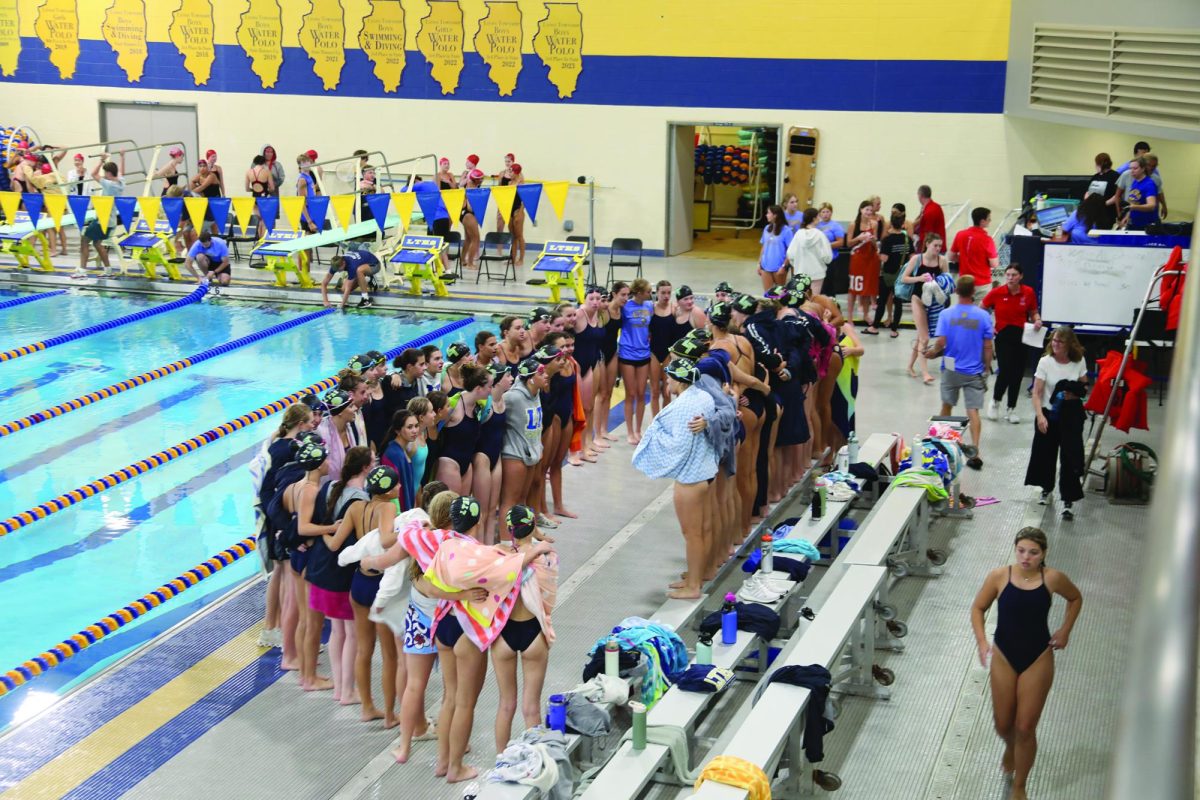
{"x": 336, "y": 400}
{"x": 540, "y": 313}
{"x": 720, "y": 314}
{"x": 724, "y": 286}
{"x": 473, "y": 160}
{"x": 79, "y": 156}
{"x": 310, "y": 436}
{"x": 699, "y": 335}
{"x": 546, "y": 353}
{"x": 689, "y": 348}
{"x": 311, "y": 154}
{"x": 683, "y": 370}
{"x": 360, "y": 363}
{"x": 475, "y": 174}
{"x": 209, "y": 153}
{"x": 464, "y": 513}
{"x": 593, "y": 288}
{"x": 175, "y": 152}
{"x": 521, "y": 521}
{"x": 745, "y": 303}
{"x": 516, "y": 169}
{"x": 497, "y": 370}
{"x": 792, "y": 298}
{"x": 800, "y": 283}
{"x": 443, "y": 160}
{"x": 47, "y": 169}
{"x": 528, "y": 368}
{"x": 773, "y": 293}
{"x": 457, "y": 352}
{"x": 382, "y": 480}
{"x": 377, "y": 358}
{"x": 313, "y": 402}
{"x": 202, "y": 163}
{"x": 683, "y": 291}
{"x": 311, "y": 455}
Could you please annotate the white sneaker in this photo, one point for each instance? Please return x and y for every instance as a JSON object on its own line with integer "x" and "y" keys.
{"x": 992, "y": 409}
{"x": 78, "y": 275}
{"x": 1044, "y": 499}
{"x": 1012, "y": 416}
{"x": 772, "y": 584}
{"x": 755, "y": 593}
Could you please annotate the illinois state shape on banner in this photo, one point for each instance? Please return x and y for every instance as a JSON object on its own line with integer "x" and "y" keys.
{"x": 191, "y": 32}
{"x": 260, "y": 35}
{"x": 124, "y": 29}
{"x": 10, "y": 37}
{"x": 440, "y": 40}
{"x": 57, "y": 25}
{"x": 499, "y": 44}
{"x": 559, "y": 44}
{"x": 323, "y": 37}
{"x": 382, "y": 40}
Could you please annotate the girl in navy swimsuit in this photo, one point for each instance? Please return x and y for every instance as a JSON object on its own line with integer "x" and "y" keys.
{"x": 606, "y": 378}
{"x": 1022, "y": 660}
{"x": 459, "y": 437}
{"x": 662, "y": 336}
{"x": 590, "y": 335}
{"x": 485, "y": 482}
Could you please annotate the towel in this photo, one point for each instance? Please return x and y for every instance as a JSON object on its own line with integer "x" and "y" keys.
{"x": 392, "y": 583}
{"x": 461, "y": 564}
{"x": 539, "y": 589}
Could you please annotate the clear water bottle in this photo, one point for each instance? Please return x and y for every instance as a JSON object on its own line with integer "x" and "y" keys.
{"x": 704, "y": 648}
{"x": 768, "y": 558}
{"x": 612, "y": 657}
{"x": 852, "y": 447}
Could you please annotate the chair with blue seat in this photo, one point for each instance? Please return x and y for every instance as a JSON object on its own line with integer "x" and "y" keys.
{"x": 624, "y": 253}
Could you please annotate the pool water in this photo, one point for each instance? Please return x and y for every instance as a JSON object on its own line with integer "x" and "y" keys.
{"x": 62, "y": 573}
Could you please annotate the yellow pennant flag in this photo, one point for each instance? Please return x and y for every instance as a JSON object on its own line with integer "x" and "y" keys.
{"x": 402, "y": 203}
{"x": 504, "y": 197}
{"x": 196, "y": 207}
{"x": 453, "y": 198}
{"x": 56, "y": 204}
{"x": 556, "y": 193}
{"x": 9, "y": 203}
{"x": 343, "y": 209}
{"x": 150, "y": 206}
{"x": 292, "y": 207}
{"x": 103, "y": 205}
{"x": 243, "y": 209}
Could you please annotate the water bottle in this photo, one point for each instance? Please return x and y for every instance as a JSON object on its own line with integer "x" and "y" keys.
{"x": 818, "y": 507}
{"x": 852, "y": 445}
{"x": 556, "y": 716}
{"x": 639, "y": 725}
{"x": 843, "y": 459}
{"x": 704, "y": 648}
{"x": 729, "y": 619}
{"x": 768, "y": 558}
{"x": 612, "y": 657}
{"x": 823, "y": 493}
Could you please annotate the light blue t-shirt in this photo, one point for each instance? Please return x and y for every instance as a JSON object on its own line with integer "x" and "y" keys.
{"x": 1075, "y": 228}
{"x": 216, "y": 250}
{"x": 634, "y": 344}
{"x": 832, "y": 230}
{"x": 775, "y": 245}
{"x": 794, "y": 218}
{"x": 966, "y": 326}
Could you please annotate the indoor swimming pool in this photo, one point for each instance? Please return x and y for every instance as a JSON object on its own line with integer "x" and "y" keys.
{"x": 61, "y": 573}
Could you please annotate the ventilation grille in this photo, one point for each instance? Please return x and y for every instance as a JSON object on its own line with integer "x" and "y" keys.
{"x": 1147, "y": 76}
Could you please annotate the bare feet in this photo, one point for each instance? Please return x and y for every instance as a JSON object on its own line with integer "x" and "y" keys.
{"x": 927, "y": 378}
{"x": 601, "y": 445}
{"x": 575, "y": 460}
{"x": 401, "y": 754}
{"x": 677, "y": 584}
{"x": 684, "y": 594}
{"x": 390, "y": 720}
{"x": 562, "y": 512}
{"x": 440, "y": 770}
{"x": 631, "y": 438}
{"x": 612, "y": 438}
{"x": 465, "y": 774}
{"x": 590, "y": 456}
{"x": 1018, "y": 793}
{"x": 352, "y": 700}
{"x": 288, "y": 666}
{"x": 1006, "y": 762}
{"x": 371, "y": 713}
{"x": 912, "y": 373}
{"x": 319, "y": 685}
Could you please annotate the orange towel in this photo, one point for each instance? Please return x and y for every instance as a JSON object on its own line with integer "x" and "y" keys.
{"x": 737, "y": 772}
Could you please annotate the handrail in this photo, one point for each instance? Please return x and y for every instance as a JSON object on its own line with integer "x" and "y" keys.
{"x": 963, "y": 206}
{"x": 999, "y": 230}
{"x": 1155, "y": 753}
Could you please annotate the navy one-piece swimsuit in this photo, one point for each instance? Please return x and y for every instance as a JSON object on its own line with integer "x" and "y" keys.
{"x": 1022, "y": 625}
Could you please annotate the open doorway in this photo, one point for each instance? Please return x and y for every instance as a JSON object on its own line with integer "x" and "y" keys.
{"x": 720, "y": 180}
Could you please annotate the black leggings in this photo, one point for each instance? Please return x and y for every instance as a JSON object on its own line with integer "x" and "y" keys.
{"x": 887, "y": 289}
{"x": 763, "y": 465}
{"x": 1011, "y": 356}
{"x": 1063, "y": 440}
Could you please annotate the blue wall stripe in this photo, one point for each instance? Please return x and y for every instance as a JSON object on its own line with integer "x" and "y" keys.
{"x": 975, "y": 87}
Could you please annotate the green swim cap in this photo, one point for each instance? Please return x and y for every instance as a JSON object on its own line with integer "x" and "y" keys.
{"x": 683, "y": 370}
{"x": 546, "y": 353}
{"x": 310, "y": 436}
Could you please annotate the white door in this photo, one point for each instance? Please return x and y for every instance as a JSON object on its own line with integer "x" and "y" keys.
{"x": 149, "y": 124}
{"x": 681, "y": 187}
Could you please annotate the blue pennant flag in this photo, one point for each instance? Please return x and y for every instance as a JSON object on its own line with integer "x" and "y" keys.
{"x": 126, "y": 210}
{"x": 79, "y": 204}
{"x": 431, "y": 204}
{"x": 173, "y": 210}
{"x": 268, "y": 210}
{"x": 219, "y": 206}
{"x": 478, "y": 200}
{"x": 34, "y": 203}
{"x": 378, "y": 203}
{"x": 531, "y": 195}
{"x": 318, "y": 210}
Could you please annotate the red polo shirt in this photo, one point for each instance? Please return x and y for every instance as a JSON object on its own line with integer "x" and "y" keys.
{"x": 974, "y": 247}
{"x": 1011, "y": 309}
{"x": 933, "y": 220}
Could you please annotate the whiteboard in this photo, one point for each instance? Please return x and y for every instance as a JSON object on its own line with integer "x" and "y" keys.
{"x": 1096, "y": 285}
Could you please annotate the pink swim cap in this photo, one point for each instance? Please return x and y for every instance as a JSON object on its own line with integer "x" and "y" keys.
{"x": 475, "y": 174}
{"x": 516, "y": 168}
{"x": 473, "y": 159}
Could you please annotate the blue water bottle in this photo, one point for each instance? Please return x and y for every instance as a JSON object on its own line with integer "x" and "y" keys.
{"x": 556, "y": 716}
{"x": 729, "y": 619}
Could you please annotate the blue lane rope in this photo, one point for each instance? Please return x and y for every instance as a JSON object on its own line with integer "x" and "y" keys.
{"x": 24, "y": 350}
{"x": 154, "y": 374}
{"x": 20, "y": 301}
{"x": 70, "y": 498}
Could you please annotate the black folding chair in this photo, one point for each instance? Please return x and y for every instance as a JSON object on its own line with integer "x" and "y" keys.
{"x": 494, "y": 241}
{"x": 624, "y": 253}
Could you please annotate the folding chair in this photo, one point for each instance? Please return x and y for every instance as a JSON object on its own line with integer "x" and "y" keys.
{"x": 625, "y": 253}
{"x": 496, "y": 241}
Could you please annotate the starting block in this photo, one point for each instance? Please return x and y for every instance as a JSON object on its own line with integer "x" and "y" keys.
{"x": 278, "y": 249}
{"x": 420, "y": 258}
{"x": 153, "y": 248}
{"x": 19, "y": 239}
{"x": 562, "y": 265}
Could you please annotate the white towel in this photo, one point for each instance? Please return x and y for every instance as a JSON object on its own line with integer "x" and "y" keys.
{"x": 392, "y": 583}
